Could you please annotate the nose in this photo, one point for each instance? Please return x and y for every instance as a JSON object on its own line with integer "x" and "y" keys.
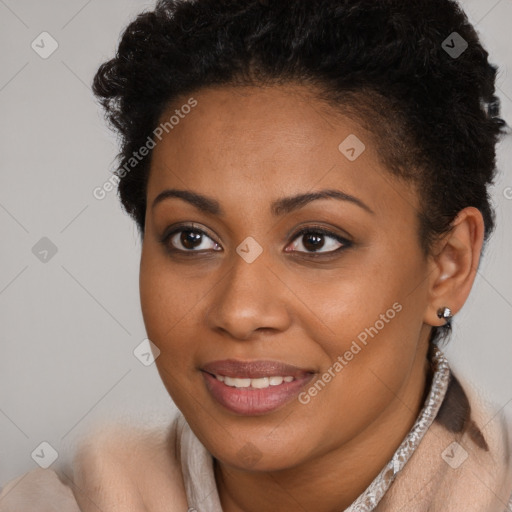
{"x": 249, "y": 299}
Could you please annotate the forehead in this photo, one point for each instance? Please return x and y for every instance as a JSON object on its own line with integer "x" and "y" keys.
{"x": 242, "y": 122}
{"x": 261, "y": 141}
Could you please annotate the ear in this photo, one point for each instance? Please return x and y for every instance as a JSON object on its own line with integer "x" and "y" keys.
{"x": 454, "y": 264}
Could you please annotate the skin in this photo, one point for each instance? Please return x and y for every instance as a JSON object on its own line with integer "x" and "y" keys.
{"x": 245, "y": 148}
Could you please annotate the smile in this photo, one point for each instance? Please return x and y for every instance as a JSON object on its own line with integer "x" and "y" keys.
{"x": 261, "y": 383}
{"x": 253, "y": 388}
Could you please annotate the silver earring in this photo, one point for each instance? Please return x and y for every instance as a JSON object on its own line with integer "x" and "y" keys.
{"x": 445, "y": 313}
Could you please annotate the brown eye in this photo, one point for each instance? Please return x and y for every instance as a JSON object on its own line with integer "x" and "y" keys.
{"x": 312, "y": 241}
{"x": 188, "y": 239}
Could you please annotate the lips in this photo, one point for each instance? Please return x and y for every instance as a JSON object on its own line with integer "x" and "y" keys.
{"x": 232, "y": 384}
{"x": 254, "y": 369}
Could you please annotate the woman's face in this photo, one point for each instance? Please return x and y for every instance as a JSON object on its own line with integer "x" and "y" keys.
{"x": 228, "y": 277}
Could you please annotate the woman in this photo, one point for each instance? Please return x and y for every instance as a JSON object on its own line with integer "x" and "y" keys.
{"x": 309, "y": 180}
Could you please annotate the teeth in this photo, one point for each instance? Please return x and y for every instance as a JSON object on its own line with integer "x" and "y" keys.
{"x": 237, "y": 383}
{"x": 275, "y": 381}
{"x": 260, "y": 383}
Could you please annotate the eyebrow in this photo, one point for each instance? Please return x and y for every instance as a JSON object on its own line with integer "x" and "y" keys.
{"x": 279, "y": 207}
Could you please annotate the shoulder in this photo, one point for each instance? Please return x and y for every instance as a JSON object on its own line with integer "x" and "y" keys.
{"x": 37, "y": 490}
{"x": 115, "y": 468}
{"x": 119, "y": 467}
{"x": 461, "y": 464}
{"x": 489, "y": 466}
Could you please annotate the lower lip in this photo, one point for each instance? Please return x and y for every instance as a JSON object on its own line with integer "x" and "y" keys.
{"x": 250, "y": 401}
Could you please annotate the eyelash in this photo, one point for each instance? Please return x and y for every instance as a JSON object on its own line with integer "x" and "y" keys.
{"x": 317, "y": 230}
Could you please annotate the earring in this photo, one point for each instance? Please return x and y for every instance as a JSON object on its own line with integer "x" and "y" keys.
{"x": 445, "y": 313}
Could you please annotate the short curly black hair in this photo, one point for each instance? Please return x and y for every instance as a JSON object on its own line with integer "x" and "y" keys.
{"x": 395, "y": 65}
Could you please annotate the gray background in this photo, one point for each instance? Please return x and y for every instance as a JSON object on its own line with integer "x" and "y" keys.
{"x": 69, "y": 325}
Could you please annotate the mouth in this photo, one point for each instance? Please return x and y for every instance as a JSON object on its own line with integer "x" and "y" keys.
{"x": 254, "y": 387}
{"x": 259, "y": 383}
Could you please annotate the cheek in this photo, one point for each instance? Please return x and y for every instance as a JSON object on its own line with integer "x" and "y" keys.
{"x": 165, "y": 302}
{"x": 165, "y": 306}
{"x": 373, "y": 295}
{"x": 165, "y": 292}
{"x": 368, "y": 323}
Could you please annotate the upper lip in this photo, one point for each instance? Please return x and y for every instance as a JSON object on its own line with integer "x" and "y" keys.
{"x": 254, "y": 369}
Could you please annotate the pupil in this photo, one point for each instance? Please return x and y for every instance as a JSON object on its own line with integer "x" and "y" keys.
{"x": 190, "y": 239}
{"x": 313, "y": 242}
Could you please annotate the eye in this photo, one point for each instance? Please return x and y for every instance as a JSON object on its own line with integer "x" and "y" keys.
{"x": 318, "y": 240}
{"x": 310, "y": 240}
{"x": 188, "y": 239}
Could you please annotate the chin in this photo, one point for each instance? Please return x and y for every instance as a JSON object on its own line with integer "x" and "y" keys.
{"x": 251, "y": 458}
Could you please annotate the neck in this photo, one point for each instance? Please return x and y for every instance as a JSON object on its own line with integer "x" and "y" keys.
{"x": 332, "y": 481}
